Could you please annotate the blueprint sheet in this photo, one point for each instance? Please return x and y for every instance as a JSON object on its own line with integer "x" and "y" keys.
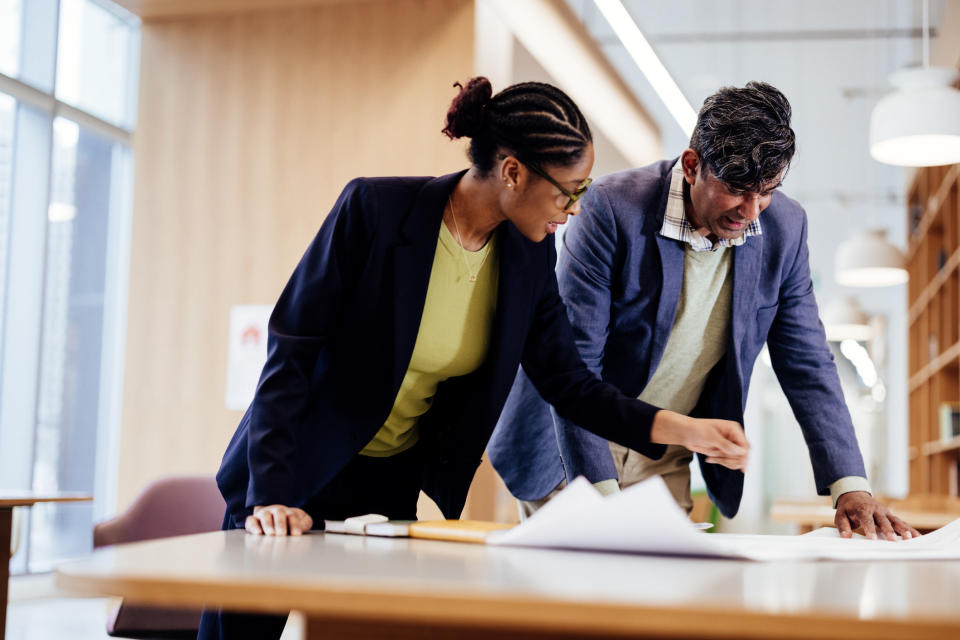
{"x": 645, "y": 518}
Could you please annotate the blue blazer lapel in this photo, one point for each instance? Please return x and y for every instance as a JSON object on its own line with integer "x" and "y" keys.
{"x": 746, "y": 273}
{"x": 671, "y": 277}
{"x": 412, "y": 263}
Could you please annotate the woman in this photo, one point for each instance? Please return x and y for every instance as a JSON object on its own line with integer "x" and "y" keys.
{"x": 394, "y": 345}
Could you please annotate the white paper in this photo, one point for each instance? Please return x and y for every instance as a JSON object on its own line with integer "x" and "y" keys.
{"x": 645, "y": 518}
{"x": 247, "y": 352}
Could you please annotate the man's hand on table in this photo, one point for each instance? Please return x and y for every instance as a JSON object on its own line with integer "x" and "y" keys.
{"x": 278, "y": 520}
{"x": 859, "y": 509}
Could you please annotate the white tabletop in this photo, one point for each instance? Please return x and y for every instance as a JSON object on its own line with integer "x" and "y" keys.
{"x": 328, "y": 573}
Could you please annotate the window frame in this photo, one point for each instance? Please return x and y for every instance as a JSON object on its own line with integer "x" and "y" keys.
{"x": 30, "y": 197}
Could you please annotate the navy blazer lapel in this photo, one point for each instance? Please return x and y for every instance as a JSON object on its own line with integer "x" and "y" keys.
{"x": 512, "y": 296}
{"x": 412, "y": 263}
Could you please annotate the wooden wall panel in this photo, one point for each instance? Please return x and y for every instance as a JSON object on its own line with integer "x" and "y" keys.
{"x": 249, "y": 126}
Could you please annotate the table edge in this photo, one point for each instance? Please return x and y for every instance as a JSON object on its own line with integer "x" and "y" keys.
{"x": 508, "y": 610}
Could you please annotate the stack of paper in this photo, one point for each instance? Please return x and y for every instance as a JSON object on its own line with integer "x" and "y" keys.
{"x": 645, "y": 519}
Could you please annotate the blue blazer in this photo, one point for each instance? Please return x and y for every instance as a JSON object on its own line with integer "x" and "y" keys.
{"x": 340, "y": 340}
{"x": 621, "y": 281}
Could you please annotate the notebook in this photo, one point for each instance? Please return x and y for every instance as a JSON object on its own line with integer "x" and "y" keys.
{"x": 377, "y": 525}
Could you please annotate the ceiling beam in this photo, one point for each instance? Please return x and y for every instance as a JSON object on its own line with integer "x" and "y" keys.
{"x": 165, "y": 9}
{"x": 566, "y": 51}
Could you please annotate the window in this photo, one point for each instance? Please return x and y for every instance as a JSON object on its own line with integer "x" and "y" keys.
{"x": 65, "y": 182}
{"x": 72, "y": 340}
{"x": 7, "y": 105}
{"x": 96, "y": 61}
{"x": 10, "y": 19}
{"x": 28, "y": 41}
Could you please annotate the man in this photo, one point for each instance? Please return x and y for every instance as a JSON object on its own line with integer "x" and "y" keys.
{"x": 673, "y": 283}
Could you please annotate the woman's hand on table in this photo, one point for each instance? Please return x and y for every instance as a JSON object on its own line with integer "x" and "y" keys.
{"x": 278, "y": 520}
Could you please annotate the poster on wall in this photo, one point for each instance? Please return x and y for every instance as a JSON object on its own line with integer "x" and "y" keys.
{"x": 247, "y": 352}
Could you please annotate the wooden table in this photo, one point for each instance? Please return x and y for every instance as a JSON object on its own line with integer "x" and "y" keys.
{"x": 8, "y": 500}
{"x": 812, "y": 514}
{"x": 356, "y": 587}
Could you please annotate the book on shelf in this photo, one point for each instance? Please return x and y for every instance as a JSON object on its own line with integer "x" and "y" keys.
{"x": 953, "y": 479}
{"x": 949, "y": 420}
{"x": 916, "y": 215}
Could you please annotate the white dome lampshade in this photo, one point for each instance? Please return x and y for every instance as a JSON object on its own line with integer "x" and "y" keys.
{"x": 868, "y": 260}
{"x": 918, "y": 125}
{"x": 843, "y": 319}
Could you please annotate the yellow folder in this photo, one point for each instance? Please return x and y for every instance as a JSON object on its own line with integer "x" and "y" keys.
{"x": 456, "y": 530}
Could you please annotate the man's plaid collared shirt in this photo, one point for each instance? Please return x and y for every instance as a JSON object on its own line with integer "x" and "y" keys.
{"x": 678, "y": 227}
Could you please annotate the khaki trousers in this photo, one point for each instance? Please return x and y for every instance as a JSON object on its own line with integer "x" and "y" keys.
{"x": 633, "y": 467}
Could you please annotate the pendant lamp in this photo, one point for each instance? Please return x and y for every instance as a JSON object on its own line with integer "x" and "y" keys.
{"x": 843, "y": 319}
{"x": 918, "y": 125}
{"x": 868, "y": 260}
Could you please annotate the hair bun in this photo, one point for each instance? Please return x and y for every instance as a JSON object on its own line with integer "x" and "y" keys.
{"x": 465, "y": 116}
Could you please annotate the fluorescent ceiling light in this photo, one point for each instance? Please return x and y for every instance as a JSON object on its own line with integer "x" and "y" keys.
{"x": 858, "y": 355}
{"x": 650, "y": 66}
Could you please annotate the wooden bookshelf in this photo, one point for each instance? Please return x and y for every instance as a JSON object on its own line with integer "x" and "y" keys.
{"x": 942, "y": 446}
{"x": 933, "y": 320}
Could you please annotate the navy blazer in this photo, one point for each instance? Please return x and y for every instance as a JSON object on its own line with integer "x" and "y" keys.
{"x": 342, "y": 334}
{"x": 621, "y": 281}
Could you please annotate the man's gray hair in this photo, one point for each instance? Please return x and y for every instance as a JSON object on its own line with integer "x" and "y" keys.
{"x": 743, "y": 136}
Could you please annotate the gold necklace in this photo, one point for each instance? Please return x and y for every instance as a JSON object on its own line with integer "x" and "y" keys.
{"x": 473, "y": 274}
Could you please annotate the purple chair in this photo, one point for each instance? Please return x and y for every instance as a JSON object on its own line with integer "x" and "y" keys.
{"x": 172, "y": 506}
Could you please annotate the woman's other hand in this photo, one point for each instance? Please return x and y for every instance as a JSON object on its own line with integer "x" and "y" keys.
{"x": 721, "y": 441}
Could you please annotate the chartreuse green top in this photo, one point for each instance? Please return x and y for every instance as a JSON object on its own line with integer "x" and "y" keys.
{"x": 453, "y": 339}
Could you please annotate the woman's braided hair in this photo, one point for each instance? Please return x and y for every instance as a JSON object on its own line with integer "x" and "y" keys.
{"x": 534, "y": 121}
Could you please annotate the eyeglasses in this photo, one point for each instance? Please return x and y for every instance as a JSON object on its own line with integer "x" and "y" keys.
{"x": 572, "y": 196}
